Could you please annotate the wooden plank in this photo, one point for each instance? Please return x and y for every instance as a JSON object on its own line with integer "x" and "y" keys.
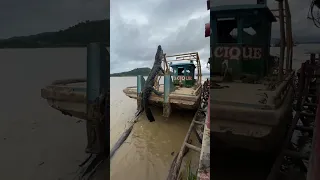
{"x": 168, "y": 88}
{"x": 304, "y": 128}
{"x": 200, "y": 123}
{"x": 289, "y": 36}
{"x": 312, "y": 95}
{"x": 294, "y": 154}
{"x": 98, "y": 82}
{"x": 190, "y": 146}
{"x": 97, "y": 76}
{"x": 176, "y": 169}
{"x": 302, "y": 82}
{"x": 311, "y": 104}
{"x": 282, "y": 40}
{"x": 140, "y": 84}
{"x": 314, "y": 162}
{"x": 306, "y": 114}
{"x": 204, "y": 163}
{"x": 276, "y": 166}
{"x": 97, "y": 97}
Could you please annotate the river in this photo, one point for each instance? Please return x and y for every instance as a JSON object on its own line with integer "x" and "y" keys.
{"x": 37, "y": 142}
{"x": 147, "y": 153}
{"x": 149, "y": 150}
{"x": 44, "y": 144}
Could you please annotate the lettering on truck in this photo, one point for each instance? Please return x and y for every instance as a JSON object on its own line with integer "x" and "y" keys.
{"x": 235, "y": 53}
{"x": 182, "y": 78}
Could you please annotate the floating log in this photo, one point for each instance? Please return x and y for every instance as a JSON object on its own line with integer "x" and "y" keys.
{"x": 122, "y": 138}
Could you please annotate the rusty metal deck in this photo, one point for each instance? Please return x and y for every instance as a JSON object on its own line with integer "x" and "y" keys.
{"x": 181, "y": 98}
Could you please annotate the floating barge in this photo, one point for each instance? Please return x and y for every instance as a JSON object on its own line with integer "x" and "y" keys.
{"x": 68, "y": 96}
{"x": 181, "y": 98}
{"x": 79, "y": 97}
{"x": 181, "y": 90}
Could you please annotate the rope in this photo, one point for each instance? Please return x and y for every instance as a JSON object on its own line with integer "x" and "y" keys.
{"x": 313, "y": 14}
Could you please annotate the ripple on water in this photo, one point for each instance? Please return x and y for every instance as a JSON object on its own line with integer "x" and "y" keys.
{"x": 148, "y": 151}
{"x": 150, "y": 148}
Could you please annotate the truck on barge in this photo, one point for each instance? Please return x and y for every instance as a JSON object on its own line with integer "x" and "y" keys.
{"x": 182, "y": 85}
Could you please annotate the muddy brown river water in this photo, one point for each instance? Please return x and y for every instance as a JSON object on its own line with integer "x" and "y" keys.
{"x": 149, "y": 150}
{"x": 44, "y": 144}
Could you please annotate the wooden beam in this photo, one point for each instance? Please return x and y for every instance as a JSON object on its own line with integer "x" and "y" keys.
{"x": 282, "y": 41}
{"x": 97, "y": 86}
{"x": 195, "y": 148}
{"x": 314, "y": 161}
{"x": 289, "y": 38}
{"x": 276, "y": 166}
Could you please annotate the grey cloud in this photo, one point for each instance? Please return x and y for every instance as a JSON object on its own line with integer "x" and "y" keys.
{"x": 137, "y": 27}
{"x": 163, "y": 18}
{"x": 169, "y": 23}
{"x": 301, "y": 26}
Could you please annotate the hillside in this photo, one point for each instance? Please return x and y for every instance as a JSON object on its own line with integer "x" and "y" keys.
{"x": 138, "y": 71}
{"x": 78, "y": 35}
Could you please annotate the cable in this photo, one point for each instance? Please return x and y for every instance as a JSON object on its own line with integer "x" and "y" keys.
{"x": 314, "y": 13}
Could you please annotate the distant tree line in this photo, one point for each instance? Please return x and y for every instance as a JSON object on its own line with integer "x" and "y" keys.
{"x": 78, "y": 35}
{"x": 138, "y": 71}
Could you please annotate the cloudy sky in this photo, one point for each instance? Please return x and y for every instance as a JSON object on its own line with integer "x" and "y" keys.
{"x": 26, "y": 17}
{"x": 137, "y": 26}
